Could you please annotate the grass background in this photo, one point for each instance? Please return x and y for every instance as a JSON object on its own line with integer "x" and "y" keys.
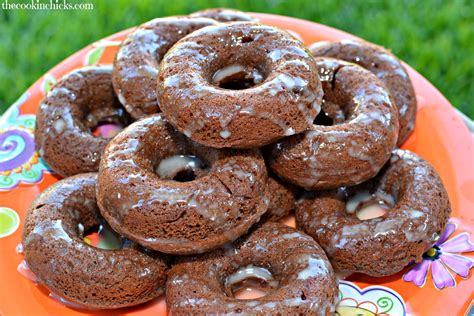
{"x": 435, "y": 37}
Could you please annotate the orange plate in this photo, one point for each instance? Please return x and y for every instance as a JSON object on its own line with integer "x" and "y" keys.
{"x": 440, "y": 137}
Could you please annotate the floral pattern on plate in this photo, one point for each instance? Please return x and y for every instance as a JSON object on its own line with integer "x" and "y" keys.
{"x": 443, "y": 257}
{"x": 19, "y": 161}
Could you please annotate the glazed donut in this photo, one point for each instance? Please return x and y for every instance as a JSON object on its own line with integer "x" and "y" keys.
{"x": 387, "y": 67}
{"x": 79, "y": 102}
{"x": 356, "y": 142}
{"x": 138, "y": 58}
{"x": 167, "y": 193}
{"x": 223, "y": 15}
{"x": 92, "y": 277}
{"x": 239, "y": 85}
{"x": 281, "y": 197}
{"x": 291, "y": 264}
{"x": 417, "y": 210}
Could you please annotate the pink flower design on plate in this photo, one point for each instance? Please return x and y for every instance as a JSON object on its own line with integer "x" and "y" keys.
{"x": 443, "y": 257}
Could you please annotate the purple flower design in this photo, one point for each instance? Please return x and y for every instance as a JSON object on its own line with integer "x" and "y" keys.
{"x": 443, "y": 257}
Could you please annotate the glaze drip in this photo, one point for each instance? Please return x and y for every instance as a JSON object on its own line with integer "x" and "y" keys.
{"x": 364, "y": 203}
{"x": 251, "y": 282}
{"x": 179, "y": 167}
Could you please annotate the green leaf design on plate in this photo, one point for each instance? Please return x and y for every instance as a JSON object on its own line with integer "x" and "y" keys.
{"x": 385, "y": 302}
{"x": 30, "y": 173}
{"x": 48, "y": 82}
{"x": 6, "y": 181}
{"x": 29, "y": 123}
{"x": 94, "y": 55}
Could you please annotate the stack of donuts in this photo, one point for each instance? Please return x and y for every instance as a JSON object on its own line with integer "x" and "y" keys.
{"x": 216, "y": 128}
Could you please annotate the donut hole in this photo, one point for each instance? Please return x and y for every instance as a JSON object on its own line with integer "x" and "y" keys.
{"x": 237, "y": 77}
{"x": 247, "y": 38}
{"x": 108, "y": 123}
{"x": 323, "y": 119}
{"x": 93, "y": 104}
{"x": 331, "y": 113}
{"x": 338, "y": 102}
{"x": 374, "y": 65}
{"x": 107, "y": 130}
{"x": 104, "y": 118}
{"x": 101, "y": 236}
{"x": 250, "y": 289}
{"x": 250, "y": 282}
{"x": 185, "y": 176}
{"x": 181, "y": 168}
{"x": 365, "y": 205}
{"x": 372, "y": 210}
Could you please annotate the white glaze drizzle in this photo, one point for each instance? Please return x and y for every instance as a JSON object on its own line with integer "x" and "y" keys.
{"x": 19, "y": 249}
{"x": 53, "y": 229}
{"x": 227, "y": 72}
{"x": 170, "y": 166}
{"x": 354, "y": 202}
{"x": 247, "y": 272}
{"x": 25, "y": 271}
{"x": 315, "y": 267}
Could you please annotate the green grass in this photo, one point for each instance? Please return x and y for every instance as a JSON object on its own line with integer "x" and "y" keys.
{"x": 436, "y": 37}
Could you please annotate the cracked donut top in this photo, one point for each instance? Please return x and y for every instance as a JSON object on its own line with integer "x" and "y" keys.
{"x": 349, "y": 141}
{"x": 386, "y": 66}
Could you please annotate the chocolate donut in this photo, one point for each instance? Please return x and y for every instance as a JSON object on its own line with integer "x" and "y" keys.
{"x": 386, "y": 67}
{"x": 138, "y": 58}
{"x": 167, "y": 193}
{"x": 351, "y": 138}
{"x": 291, "y": 264}
{"x": 239, "y": 85}
{"x": 79, "y": 102}
{"x": 223, "y": 15}
{"x": 282, "y": 199}
{"x": 94, "y": 278}
{"x": 417, "y": 210}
